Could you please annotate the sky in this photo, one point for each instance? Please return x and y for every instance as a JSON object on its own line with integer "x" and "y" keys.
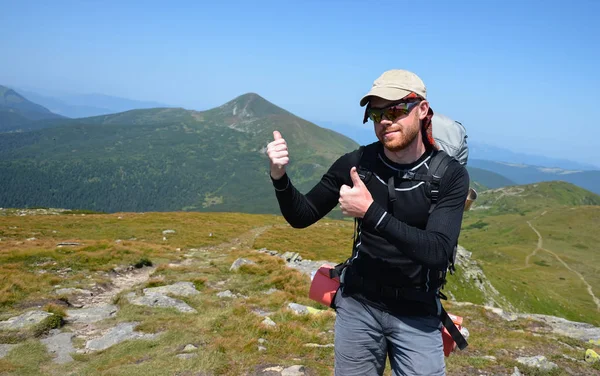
{"x": 522, "y": 75}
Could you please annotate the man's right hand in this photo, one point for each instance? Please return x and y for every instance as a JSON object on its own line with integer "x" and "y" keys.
{"x": 278, "y": 155}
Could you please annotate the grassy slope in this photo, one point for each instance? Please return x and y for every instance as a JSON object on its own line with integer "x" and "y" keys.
{"x": 226, "y": 331}
{"x": 501, "y": 237}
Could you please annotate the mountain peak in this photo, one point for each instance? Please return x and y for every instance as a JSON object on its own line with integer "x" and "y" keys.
{"x": 9, "y": 97}
{"x": 251, "y": 105}
{"x": 17, "y": 111}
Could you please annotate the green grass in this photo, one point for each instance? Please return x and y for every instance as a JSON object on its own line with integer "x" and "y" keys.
{"x": 226, "y": 331}
{"x": 545, "y": 286}
{"x": 326, "y": 240}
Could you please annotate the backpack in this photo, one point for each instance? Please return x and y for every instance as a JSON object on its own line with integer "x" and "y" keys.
{"x": 451, "y": 138}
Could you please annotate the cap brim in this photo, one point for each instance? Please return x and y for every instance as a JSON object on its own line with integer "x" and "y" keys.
{"x": 390, "y": 94}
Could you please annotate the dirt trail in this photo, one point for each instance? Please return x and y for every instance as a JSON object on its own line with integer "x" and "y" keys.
{"x": 131, "y": 278}
{"x": 104, "y": 295}
{"x": 119, "y": 283}
{"x": 244, "y": 240}
{"x": 540, "y": 247}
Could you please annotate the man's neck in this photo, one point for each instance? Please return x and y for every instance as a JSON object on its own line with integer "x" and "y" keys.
{"x": 409, "y": 154}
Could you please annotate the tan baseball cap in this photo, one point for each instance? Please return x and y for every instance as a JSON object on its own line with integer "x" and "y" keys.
{"x": 394, "y": 85}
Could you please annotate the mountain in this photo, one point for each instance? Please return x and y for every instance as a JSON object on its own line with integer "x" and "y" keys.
{"x": 523, "y": 199}
{"x": 483, "y": 179}
{"x": 86, "y": 105}
{"x": 493, "y": 153}
{"x": 164, "y": 159}
{"x": 16, "y": 111}
{"x": 527, "y": 174}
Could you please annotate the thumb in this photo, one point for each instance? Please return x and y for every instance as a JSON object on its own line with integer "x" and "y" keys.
{"x": 356, "y": 182}
{"x": 277, "y": 135}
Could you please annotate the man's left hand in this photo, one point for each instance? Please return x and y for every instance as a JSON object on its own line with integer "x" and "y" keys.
{"x": 355, "y": 201}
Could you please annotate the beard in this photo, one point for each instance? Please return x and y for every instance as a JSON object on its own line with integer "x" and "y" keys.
{"x": 405, "y": 136}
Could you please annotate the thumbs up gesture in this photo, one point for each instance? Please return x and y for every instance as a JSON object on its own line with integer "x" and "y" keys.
{"x": 355, "y": 201}
{"x": 278, "y": 155}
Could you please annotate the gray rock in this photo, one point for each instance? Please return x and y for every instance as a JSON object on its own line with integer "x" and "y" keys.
{"x": 122, "y": 332}
{"x": 571, "y": 358}
{"x": 262, "y": 340}
{"x": 293, "y": 371}
{"x": 239, "y": 262}
{"x": 186, "y": 356}
{"x": 539, "y": 361}
{"x": 73, "y": 291}
{"x": 262, "y": 348}
{"x": 5, "y": 349}
{"x": 261, "y": 312}
{"x": 572, "y": 329}
{"x": 61, "y": 345}
{"x": 308, "y": 267}
{"x": 517, "y": 372}
{"x": 226, "y": 294}
{"x": 268, "y": 322}
{"x": 298, "y": 309}
{"x": 190, "y": 348}
{"x": 270, "y": 291}
{"x": 276, "y": 369}
{"x": 179, "y": 289}
{"x": 161, "y": 301}
{"x": 287, "y": 256}
{"x": 168, "y": 232}
{"x": 489, "y": 357}
{"x": 26, "y": 320}
{"x": 558, "y": 325}
{"x": 90, "y": 315}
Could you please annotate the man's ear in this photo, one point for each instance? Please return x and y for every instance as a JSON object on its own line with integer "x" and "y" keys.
{"x": 423, "y": 109}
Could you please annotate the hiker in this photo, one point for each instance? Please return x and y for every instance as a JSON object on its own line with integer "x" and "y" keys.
{"x": 407, "y": 228}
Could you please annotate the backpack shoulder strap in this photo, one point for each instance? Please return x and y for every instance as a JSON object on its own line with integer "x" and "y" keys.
{"x": 437, "y": 169}
{"x": 439, "y": 163}
{"x": 367, "y": 161}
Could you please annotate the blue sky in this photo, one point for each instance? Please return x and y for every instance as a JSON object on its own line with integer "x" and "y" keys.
{"x": 518, "y": 74}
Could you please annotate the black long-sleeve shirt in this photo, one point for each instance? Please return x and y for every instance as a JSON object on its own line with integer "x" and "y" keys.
{"x": 407, "y": 249}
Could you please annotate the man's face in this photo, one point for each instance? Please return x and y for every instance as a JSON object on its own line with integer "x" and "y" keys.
{"x": 396, "y": 134}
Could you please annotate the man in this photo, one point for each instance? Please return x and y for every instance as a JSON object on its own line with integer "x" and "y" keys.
{"x": 388, "y": 304}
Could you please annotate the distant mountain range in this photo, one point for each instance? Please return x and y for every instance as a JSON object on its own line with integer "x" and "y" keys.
{"x": 527, "y": 174}
{"x": 86, "y": 105}
{"x": 16, "y": 110}
{"x": 493, "y": 153}
{"x": 175, "y": 159}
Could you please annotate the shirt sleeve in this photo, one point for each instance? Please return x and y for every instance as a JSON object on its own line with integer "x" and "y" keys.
{"x": 301, "y": 210}
{"x": 432, "y": 246}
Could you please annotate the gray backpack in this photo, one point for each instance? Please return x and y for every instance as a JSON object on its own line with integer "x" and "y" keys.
{"x": 451, "y": 137}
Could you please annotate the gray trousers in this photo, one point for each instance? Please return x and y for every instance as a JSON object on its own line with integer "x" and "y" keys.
{"x": 365, "y": 336}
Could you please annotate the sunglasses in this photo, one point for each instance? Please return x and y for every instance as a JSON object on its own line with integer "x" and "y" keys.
{"x": 391, "y": 112}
